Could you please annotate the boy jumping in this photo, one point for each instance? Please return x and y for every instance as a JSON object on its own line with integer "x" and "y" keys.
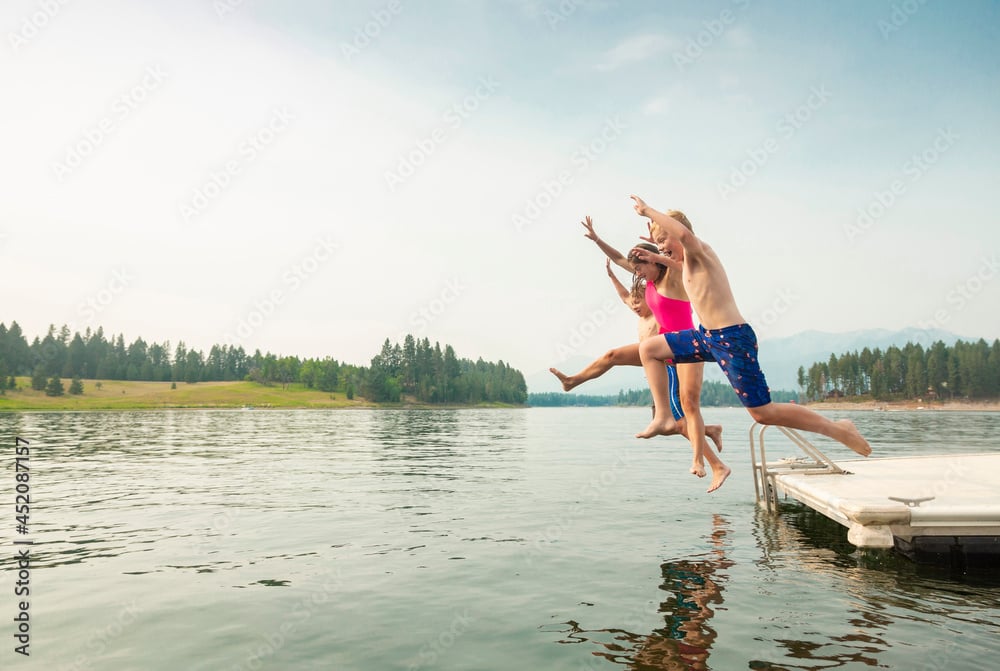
{"x": 724, "y": 337}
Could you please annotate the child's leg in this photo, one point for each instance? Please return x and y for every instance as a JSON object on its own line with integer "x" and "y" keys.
{"x": 690, "y": 377}
{"x": 713, "y": 431}
{"x": 654, "y": 352}
{"x": 799, "y": 417}
{"x": 620, "y": 356}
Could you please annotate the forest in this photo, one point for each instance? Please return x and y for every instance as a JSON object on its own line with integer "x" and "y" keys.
{"x": 416, "y": 369}
{"x": 965, "y": 370}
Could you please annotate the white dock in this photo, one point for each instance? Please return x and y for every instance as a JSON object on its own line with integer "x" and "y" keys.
{"x": 933, "y": 502}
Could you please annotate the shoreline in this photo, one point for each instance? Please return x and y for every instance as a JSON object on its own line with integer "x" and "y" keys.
{"x": 113, "y": 395}
{"x": 890, "y": 406}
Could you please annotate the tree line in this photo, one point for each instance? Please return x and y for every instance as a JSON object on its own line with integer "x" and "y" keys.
{"x": 965, "y": 370}
{"x": 416, "y": 368}
{"x": 433, "y": 375}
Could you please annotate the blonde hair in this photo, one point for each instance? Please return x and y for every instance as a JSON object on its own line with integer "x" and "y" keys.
{"x": 681, "y": 217}
{"x": 673, "y": 214}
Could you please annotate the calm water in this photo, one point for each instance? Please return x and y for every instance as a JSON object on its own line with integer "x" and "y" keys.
{"x": 457, "y": 539}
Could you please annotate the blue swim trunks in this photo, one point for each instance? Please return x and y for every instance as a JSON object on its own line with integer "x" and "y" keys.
{"x": 735, "y": 350}
{"x": 675, "y": 394}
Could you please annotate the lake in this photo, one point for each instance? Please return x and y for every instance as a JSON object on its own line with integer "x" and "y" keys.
{"x": 540, "y": 538}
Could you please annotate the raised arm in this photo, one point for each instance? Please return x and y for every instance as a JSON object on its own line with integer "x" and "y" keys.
{"x": 645, "y": 255}
{"x": 668, "y": 261}
{"x": 610, "y": 251}
{"x": 675, "y": 229}
{"x": 623, "y": 293}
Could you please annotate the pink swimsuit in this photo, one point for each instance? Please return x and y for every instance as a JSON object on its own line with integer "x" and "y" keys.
{"x": 671, "y": 314}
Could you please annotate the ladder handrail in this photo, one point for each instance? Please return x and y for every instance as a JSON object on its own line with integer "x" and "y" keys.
{"x": 766, "y": 484}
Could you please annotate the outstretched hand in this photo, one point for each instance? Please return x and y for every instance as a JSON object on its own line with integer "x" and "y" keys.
{"x": 607, "y": 267}
{"x": 589, "y": 225}
{"x": 640, "y": 206}
{"x": 641, "y": 254}
{"x": 649, "y": 227}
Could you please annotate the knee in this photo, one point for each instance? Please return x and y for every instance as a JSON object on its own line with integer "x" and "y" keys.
{"x": 761, "y": 414}
{"x": 647, "y": 349}
{"x": 691, "y": 402}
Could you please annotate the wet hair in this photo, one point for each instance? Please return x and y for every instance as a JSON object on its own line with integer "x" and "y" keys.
{"x": 638, "y": 291}
{"x": 635, "y": 277}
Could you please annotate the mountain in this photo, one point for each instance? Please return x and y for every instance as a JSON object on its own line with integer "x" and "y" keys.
{"x": 780, "y": 357}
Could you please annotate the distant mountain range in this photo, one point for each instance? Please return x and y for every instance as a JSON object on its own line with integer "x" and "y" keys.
{"x": 780, "y": 358}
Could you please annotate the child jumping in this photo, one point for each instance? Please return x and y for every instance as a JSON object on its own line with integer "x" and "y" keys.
{"x": 671, "y": 310}
{"x": 724, "y": 337}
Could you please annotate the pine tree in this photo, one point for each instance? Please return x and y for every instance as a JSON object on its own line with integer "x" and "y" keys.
{"x": 38, "y": 378}
{"x": 54, "y": 387}
{"x": 76, "y": 386}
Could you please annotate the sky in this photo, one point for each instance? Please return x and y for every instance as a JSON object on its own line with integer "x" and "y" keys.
{"x": 310, "y": 178}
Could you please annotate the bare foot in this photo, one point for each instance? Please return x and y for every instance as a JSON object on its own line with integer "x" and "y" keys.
{"x": 657, "y": 427}
{"x": 697, "y": 469}
{"x": 715, "y": 433}
{"x": 719, "y": 475}
{"x": 567, "y": 381}
{"x": 854, "y": 439}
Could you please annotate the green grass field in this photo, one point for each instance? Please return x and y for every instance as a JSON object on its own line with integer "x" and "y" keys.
{"x": 122, "y": 395}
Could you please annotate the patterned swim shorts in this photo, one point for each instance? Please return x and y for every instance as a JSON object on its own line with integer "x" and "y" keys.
{"x": 735, "y": 350}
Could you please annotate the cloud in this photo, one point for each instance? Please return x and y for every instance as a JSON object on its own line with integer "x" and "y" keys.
{"x": 657, "y": 106}
{"x": 634, "y": 50}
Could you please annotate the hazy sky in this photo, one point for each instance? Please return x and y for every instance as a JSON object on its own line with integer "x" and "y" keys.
{"x": 312, "y": 177}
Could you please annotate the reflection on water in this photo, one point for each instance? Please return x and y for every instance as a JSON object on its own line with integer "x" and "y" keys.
{"x": 693, "y": 586}
{"x": 882, "y": 591}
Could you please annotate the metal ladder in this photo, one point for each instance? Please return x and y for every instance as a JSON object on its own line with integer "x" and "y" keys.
{"x": 764, "y": 484}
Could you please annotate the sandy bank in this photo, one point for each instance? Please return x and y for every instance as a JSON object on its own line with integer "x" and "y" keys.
{"x": 953, "y": 406}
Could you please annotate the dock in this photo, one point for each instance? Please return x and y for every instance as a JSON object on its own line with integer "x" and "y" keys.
{"x": 933, "y": 508}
